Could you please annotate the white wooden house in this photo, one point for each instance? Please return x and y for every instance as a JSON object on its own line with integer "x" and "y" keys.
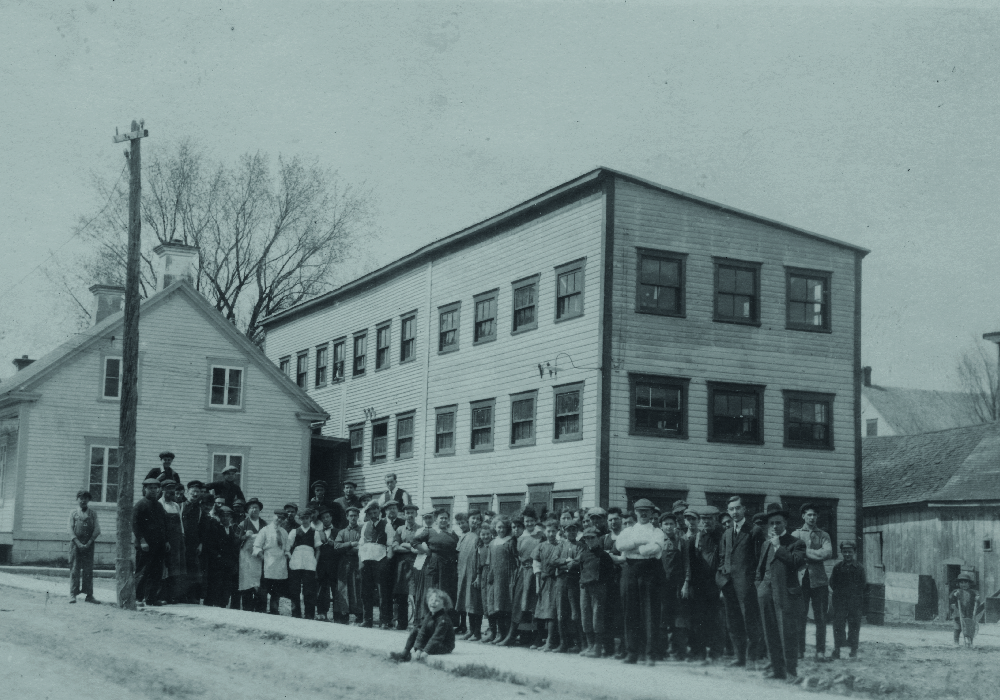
{"x": 606, "y": 340}
{"x": 206, "y": 393}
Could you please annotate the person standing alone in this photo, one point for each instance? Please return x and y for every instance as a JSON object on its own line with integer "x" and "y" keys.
{"x": 85, "y": 530}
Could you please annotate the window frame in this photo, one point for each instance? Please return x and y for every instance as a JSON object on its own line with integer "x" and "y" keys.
{"x": 285, "y": 365}
{"x": 556, "y": 392}
{"x": 756, "y": 268}
{"x": 456, "y": 308}
{"x": 446, "y": 502}
{"x": 104, "y": 377}
{"x": 479, "y": 502}
{"x": 228, "y": 365}
{"x": 869, "y": 424}
{"x": 509, "y": 503}
{"x": 229, "y": 451}
{"x": 375, "y": 458}
{"x": 789, "y": 395}
{"x": 668, "y": 256}
{"x": 492, "y": 295}
{"x": 827, "y": 278}
{"x": 412, "y": 417}
{"x": 565, "y": 495}
{"x": 733, "y": 388}
{"x": 565, "y": 269}
{"x": 476, "y": 406}
{"x": 682, "y": 383}
{"x": 323, "y": 348}
{"x": 403, "y": 340}
{"x": 363, "y": 337}
{"x": 302, "y": 369}
{"x": 438, "y": 412}
{"x": 357, "y": 451}
{"x": 530, "y": 281}
{"x": 524, "y": 396}
{"x": 379, "y": 349}
{"x": 342, "y": 344}
{"x": 106, "y": 444}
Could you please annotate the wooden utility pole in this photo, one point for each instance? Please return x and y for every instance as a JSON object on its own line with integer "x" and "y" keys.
{"x": 124, "y": 568}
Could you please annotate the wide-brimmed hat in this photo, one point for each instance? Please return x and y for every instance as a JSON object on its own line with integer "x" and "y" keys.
{"x": 775, "y": 509}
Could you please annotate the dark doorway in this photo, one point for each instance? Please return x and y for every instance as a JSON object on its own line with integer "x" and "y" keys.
{"x": 327, "y": 461}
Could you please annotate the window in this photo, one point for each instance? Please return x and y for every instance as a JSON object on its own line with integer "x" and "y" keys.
{"x": 871, "y": 427}
{"x": 479, "y": 504}
{"x": 443, "y": 502}
{"x": 539, "y": 498}
{"x": 486, "y": 317}
{"x": 321, "y": 353}
{"x": 301, "y": 369}
{"x": 808, "y": 300}
{"x": 444, "y": 443}
{"x": 522, "y": 418}
{"x": 567, "y": 412}
{"x": 737, "y": 293}
{"x": 448, "y": 327}
{"x": 563, "y": 500}
{"x": 404, "y": 436}
{"x": 661, "y": 498}
{"x": 808, "y": 420}
{"x": 752, "y": 502}
{"x": 659, "y": 406}
{"x": 510, "y": 503}
{"x": 525, "y": 298}
{"x": 112, "y": 378}
{"x": 284, "y": 365}
{"x": 221, "y": 460}
{"x": 569, "y": 290}
{"x": 382, "y": 349}
{"x": 661, "y": 283}
{"x": 104, "y": 473}
{"x": 734, "y": 413}
{"x": 338, "y": 362}
{"x": 408, "y": 335}
{"x": 482, "y": 425}
{"x": 360, "y": 348}
{"x": 380, "y": 440}
{"x": 227, "y": 387}
{"x": 357, "y": 434}
{"x": 3, "y": 467}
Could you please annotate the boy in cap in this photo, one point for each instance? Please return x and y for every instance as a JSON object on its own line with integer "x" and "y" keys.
{"x": 673, "y": 637}
{"x": 249, "y": 584}
{"x": 149, "y": 527}
{"x": 193, "y": 520}
{"x": 596, "y": 570}
{"x": 302, "y": 547}
{"x": 962, "y": 607}
{"x": 343, "y": 503}
{"x": 84, "y": 530}
{"x": 346, "y": 544}
{"x": 270, "y": 545}
{"x": 405, "y": 554}
{"x": 779, "y": 593}
{"x": 849, "y": 583}
{"x": 570, "y": 630}
{"x": 227, "y": 488}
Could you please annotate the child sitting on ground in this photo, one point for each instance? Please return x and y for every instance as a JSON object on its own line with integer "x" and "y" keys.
{"x": 436, "y": 634}
{"x": 963, "y": 607}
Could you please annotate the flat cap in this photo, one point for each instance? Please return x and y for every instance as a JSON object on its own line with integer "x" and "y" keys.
{"x": 351, "y": 483}
{"x": 229, "y": 469}
{"x": 194, "y": 482}
{"x": 150, "y": 482}
{"x": 279, "y": 511}
{"x": 351, "y": 509}
{"x": 318, "y": 482}
{"x": 705, "y": 511}
{"x": 166, "y": 454}
{"x": 644, "y": 503}
{"x": 590, "y": 532}
{"x": 293, "y": 506}
{"x": 389, "y": 503}
{"x": 596, "y": 510}
{"x": 226, "y": 509}
{"x": 169, "y": 484}
{"x": 411, "y": 506}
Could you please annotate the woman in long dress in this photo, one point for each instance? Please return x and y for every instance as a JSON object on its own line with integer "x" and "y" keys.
{"x": 250, "y": 566}
{"x": 441, "y": 565}
{"x": 469, "y": 599}
{"x": 503, "y": 569}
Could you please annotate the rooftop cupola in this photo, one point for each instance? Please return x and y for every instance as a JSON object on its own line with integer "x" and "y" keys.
{"x": 108, "y": 300}
{"x": 177, "y": 261}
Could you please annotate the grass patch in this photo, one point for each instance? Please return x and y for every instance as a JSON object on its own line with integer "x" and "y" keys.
{"x": 317, "y": 644}
{"x": 273, "y": 636}
{"x": 482, "y": 672}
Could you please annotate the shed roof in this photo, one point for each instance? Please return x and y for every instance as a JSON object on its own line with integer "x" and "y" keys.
{"x": 957, "y": 465}
{"x": 583, "y": 183}
{"x": 912, "y": 411}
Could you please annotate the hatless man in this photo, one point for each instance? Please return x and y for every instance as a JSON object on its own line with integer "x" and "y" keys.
{"x": 149, "y": 526}
{"x": 614, "y": 614}
{"x": 228, "y": 488}
{"x": 348, "y": 500}
{"x": 392, "y": 493}
{"x": 739, "y": 553}
{"x": 165, "y": 470}
{"x": 641, "y": 545}
{"x": 779, "y": 593}
{"x": 84, "y": 530}
{"x": 815, "y": 582}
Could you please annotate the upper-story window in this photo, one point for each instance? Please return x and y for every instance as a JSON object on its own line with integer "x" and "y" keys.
{"x": 408, "y": 338}
{"x": 360, "y": 352}
{"x": 661, "y": 283}
{"x": 404, "y": 436}
{"x": 337, "y": 370}
{"x": 808, "y": 300}
{"x": 380, "y": 440}
{"x": 569, "y": 290}
{"x": 482, "y": 425}
{"x": 444, "y": 429}
{"x": 382, "y": 351}
{"x": 568, "y": 403}
{"x": 321, "y": 355}
{"x": 735, "y": 413}
{"x": 659, "y": 405}
{"x": 112, "y": 378}
{"x": 448, "y": 325}
{"x": 525, "y": 295}
{"x": 737, "y": 291}
{"x": 486, "y": 317}
{"x": 227, "y": 387}
{"x": 357, "y": 434}
{"x": 808, "y": 420}
{"x": 522, "y": 418}
{"x": 284, "y": 365}
{"x": 301, "y": 369}
{"x": 871, "y": 427}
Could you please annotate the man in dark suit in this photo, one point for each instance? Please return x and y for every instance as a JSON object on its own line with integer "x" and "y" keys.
{"x": 340, "y": 506}
{"x": 701, "y": 564}
{"x": 779, "y": 592}
{"x": 149, "y": 525}
{"x": 739, "y": 554}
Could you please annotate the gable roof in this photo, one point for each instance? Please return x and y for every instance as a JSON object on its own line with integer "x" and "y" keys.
{"x": 19, "y": 386}
{"x": 957, "y": 465}
{"x": 529, "y": 207}
{"x": 912, "y": 411}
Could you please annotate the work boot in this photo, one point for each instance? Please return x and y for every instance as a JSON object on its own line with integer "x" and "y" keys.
{"x": 631, "y": 659}
{"x": 835, "y": 654}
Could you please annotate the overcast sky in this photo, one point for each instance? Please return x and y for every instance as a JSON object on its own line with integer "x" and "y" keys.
{"x": 875, "y": 126}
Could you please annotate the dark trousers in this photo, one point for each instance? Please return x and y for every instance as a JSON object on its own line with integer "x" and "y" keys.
{"x": 326, "y": 585}
{"x": 819, "y": 597}
{"x": 252, "y": 599}
{"x": 592, "y": 597}
{"x": 272, "y": 588}
{"x": 743, "y": 622}
{"x": 149, "y": 573}
{"x": 302, "y": 588}
{"x": 780, "y": 619}
{"x": 642, "y": 617}
{"x": 847, "y": 613}
{"x": 376, "y": 589}
{"x": 667, "y": 639}
{"x": 220, "y": 589}
{"x": 81, "y": 570}
{"x": 705, "y": 630}
{"x": 402, "y": 605}
{"x": 614, "y": 615}
{"x": 386, "y": 584}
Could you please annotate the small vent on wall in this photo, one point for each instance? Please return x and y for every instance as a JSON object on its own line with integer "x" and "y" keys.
{"x": 987, "y": 545}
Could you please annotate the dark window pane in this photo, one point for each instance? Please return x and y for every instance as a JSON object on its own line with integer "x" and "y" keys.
{"x": 727, "y": 279}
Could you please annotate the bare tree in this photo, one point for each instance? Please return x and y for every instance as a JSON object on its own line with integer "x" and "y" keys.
{"x": 267, "y": 240}
{"x": 977, "y": 376}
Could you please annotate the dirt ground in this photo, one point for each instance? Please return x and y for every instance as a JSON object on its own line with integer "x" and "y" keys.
{"x": 49, "y": 649}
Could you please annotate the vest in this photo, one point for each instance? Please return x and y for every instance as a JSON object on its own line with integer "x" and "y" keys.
{"x": 305, "y": 539}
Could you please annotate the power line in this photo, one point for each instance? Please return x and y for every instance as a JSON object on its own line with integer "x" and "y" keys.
{"x": 76, "y": 233}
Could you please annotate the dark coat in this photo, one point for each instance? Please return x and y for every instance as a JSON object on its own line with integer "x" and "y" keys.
{"x": 702, "y": 563}
{"x": 172, "y": 475}
{"x": 149, "y": 523}
{"x": 229, "y": 491}
{"x": 339, "y": 509}
{"x": 778, "y": 568}
{"x": 437, "y": 634}
{"x": 739, "y": 553}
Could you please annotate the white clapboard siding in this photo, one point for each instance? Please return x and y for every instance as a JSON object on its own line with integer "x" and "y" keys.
{"x": 8, "y": 480}
{"x": 176, "y": 340}
{"x": 698, "y": 348}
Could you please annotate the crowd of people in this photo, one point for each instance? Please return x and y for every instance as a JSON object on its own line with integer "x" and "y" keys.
{"x": 689, "y": 584}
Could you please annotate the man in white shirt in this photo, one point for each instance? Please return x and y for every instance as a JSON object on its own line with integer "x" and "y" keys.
{"x": 815, "y": 583}
{"x": 375, "y": 559}
{"x": 302, "y": 546}
{"x": 270, "y": 545}
{"x": 641, "y": 545}
{"x": 391, "y": 493}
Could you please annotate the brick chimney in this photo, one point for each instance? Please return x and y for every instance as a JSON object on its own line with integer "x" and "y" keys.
{"x": 108, "y": 300}
{"x": 868, "y": 375}
{"x": 22, "y": 362}
{"x": 177, "y": 261}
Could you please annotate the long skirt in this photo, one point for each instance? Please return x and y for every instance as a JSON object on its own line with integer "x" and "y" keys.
{"x": 548, "y": 599}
